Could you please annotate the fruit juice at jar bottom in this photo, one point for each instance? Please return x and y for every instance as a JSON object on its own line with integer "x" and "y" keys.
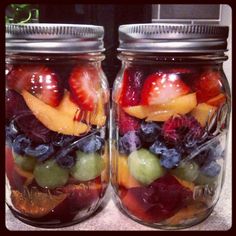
{"x": 169, "y": 142}
{"x": 57, "y": 162}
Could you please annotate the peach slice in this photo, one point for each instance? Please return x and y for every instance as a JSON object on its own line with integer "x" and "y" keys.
{"x": 36, "y": 204}
{"x": 124, "y": 177}
{"x": 216, "y": 101}
{"x": 203, "y": 113}
{"x": 53, "y": 118}
{"x": 160, "y": 115}
{"x": 162, "y": 112}
{"x": 99, "y": 118}
{"x": 138, "y": 111}
{"x": 67, "y": 106}
{"x": 181, "y": 105}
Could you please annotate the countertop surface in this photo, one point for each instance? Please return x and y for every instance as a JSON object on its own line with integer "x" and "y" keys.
{"x": 111, "y": 218}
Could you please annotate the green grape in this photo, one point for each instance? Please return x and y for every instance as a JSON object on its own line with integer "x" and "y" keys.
{"x": 26, "y": 163}
{"x": 88, "y": 166}
{"x": 145, "y": 166}
{"x": 50, "y": 175}
{"x": 188, "y": 171}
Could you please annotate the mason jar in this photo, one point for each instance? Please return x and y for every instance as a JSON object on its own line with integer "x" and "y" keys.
{"x": 57, "y": 106}
{"x": 171, "y": 107}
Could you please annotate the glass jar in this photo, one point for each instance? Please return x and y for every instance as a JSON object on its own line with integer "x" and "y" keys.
{"x": 171, "y": 106}
{"x": 57, "y": 106}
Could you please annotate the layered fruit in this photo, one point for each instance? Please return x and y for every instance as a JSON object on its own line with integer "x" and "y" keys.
{"x": 56, "y": 141}
{"x": 169, "y": 142}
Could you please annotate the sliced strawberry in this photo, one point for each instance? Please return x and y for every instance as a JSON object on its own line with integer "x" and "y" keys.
{"x": 83, "y": 83}
{"x": 38, "y": 80}
{"x": 130, "y": 93}
{"x": 160, "y": 88}
{"x": 207, "y": 86}
{"x": 127, "y": 123}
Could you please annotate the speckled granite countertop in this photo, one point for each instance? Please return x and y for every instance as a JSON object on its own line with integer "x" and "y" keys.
{"x": 110, "y": 218}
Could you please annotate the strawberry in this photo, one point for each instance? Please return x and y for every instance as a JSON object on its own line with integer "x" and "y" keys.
{"x": 38, "y": 80}
{"x": 127, "y": 123}
{"x": 131, "y": 87}
{"x": 84, "y": 83}
{"x": 207, "y": 86}
{"x": 161, "y": 88}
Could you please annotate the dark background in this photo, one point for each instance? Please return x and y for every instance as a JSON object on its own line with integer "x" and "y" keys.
{"x": 110, "y": 16}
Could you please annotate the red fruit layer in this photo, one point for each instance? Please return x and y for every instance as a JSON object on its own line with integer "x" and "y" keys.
{"x": 84, "y": 83}
{"x": 132, "y": 84}
{"x": 38, "y": 80}
{"x": 207, "y": 86}
{"x": 156, "y": 202}
{"x": 160, "y": 88}
{"x": 127, "y": 123}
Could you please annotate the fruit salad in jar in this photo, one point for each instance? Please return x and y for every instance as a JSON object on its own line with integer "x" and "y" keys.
{"x": 168, "y": 145}
{"x": 57, "y": 163}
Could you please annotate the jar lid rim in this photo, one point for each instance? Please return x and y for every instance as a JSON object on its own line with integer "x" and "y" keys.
{"x": 172, "y": 37}
{"x": 53, "y": 37}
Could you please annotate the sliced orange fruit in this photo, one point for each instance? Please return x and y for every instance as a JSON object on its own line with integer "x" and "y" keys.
{"x": 36, "y": 204}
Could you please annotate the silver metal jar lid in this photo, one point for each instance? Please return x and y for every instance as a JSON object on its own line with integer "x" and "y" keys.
{"x": 54, "y": 38}
{"x": 173, "y": 38}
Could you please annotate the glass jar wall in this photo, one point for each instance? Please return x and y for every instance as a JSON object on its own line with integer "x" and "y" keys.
{"x": 57, "y": 162}
{"x": 170, "y": 122}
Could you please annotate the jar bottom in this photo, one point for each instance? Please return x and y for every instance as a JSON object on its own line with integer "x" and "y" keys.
{"x": 194, "y": 221}
{"x": 57, "y": 223}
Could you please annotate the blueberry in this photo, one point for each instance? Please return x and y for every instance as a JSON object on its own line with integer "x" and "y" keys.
{"x": 41, "y": 152}
{"x": 129, "y": 142}
{"x": 20, "y": 143}
{"x": 212, "y": 153}
{"x": 211, "y": 169}
{"x": 61, "y": 140}
{"x": 90, "y": 144}
{"x": 215, "y": 152}
{"x": 170, "y": 158}
{"x": 9, "y": 137}
{"x": 149, "y": 131}
{"x": 11, "y": 132}
{"x": 202, "y": 158}
{"x": 65, "y": 161}
{"x": 158, "y": 147}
